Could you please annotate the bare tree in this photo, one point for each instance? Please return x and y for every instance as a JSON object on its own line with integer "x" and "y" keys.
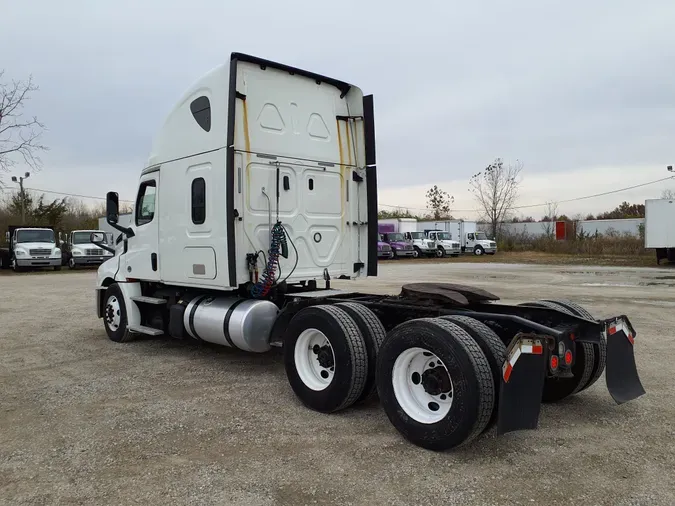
{"x": 439, "y": 201}
{"x": 548, "y": 223}
{"x": 19, "y": 135}
{"x": 496, "y": 190}
{"x": 668, "y": 194}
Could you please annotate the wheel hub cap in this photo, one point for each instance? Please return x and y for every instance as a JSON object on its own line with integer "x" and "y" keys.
{"x": 112, "y": 313}
{"x": 314, "y": 359}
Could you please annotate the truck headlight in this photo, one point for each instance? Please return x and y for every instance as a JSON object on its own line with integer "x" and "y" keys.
{"x": 20, "y": 252}
{"x": 57, "y": 251}
{"x": 76, "y": 252}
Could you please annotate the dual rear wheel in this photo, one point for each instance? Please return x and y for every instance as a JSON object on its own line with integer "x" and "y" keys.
{"x": 437, "y": 378}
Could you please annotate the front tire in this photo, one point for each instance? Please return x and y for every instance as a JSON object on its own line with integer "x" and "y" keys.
{"x": 417, "y": 253}
{"x": 115, "y": 315}
{"x": 434, "y": 383}
{"x": 478, "y": 251}
{"x": 71, "y": 264}
{"x": 325, "y": 358}
{"x": 440, "y": 252}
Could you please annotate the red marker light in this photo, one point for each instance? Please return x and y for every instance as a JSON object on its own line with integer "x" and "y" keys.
{"x": 568, "y": 357}
{"x": 554, "y": 363}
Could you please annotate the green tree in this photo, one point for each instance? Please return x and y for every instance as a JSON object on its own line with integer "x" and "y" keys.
{"x": 439, "y": 201}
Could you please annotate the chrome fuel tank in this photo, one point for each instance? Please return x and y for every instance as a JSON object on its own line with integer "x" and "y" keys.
{"x": 231, "y": 321}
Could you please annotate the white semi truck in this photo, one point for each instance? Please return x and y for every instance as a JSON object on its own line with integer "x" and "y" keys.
{"x": 660, "y": 228}
{"x": 261, "y": 189}
{"x": 79, "y": 251}
{"x": 465, "y": 232}
{"x": 29, "y": 248}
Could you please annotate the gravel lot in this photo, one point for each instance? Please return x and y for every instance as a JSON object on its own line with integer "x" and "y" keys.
{"x": 86, "y": 421}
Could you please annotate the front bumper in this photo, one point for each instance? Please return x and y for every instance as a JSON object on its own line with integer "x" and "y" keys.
{"x": 86, "y": 260}
{"x": 385, "y": 254}
{"x": 38, "y": 262}
{"x": 405, "y": 252}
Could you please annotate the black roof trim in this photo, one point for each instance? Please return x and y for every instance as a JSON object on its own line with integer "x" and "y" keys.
{"x": 340, "y": 85}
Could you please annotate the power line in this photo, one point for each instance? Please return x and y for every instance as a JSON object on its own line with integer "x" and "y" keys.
{"x": 73, "y": 195}
{"x": 545, "y": 203}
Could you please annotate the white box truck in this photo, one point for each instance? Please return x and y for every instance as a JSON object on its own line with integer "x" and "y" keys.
{"x": 660, "y": 228}
{"x": 422, "y": 245}
{"x": 79, "y": 251}
{"x": 465, "y": 232}
{"x": 260, "y": 189}
{"x": 30, "y": 247}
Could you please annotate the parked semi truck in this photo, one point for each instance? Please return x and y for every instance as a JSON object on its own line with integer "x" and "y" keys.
{"x": 465, "y": 232}
{"x": 78, "y": 250}
{"x": 260, "y": 190}
{"x": 30, "y": 247}
{"x": 660, "y": 228}
{"x": 383, "y": 248}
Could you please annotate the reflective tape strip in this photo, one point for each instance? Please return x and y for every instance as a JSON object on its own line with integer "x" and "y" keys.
{"x": 526, "y": 346}
{"x": 620, "y": 325}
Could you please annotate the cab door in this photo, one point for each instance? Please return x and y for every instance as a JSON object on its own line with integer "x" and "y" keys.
{"x": 470, "y": 241}
{"x": 141, "y": 259}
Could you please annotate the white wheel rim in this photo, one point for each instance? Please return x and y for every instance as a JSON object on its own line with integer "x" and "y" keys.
{"x": 415, "y": 254}
{"x": 479, "y": 251}
{"x": 112, "y": 313}
{"x": 71, "y": 262}
{"x": 439, "y": 253}
{"x": 422, "y": 385}
{"x": 314, "y": 359}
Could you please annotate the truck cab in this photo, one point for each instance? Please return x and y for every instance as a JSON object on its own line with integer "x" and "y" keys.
{"x": 400, "y": 247}
{"x": 80, "y": 251}
{"x": 479, "y": 244}
{"x": 383, "y": 249}
{"x": 422, "y": 244}
{"x": 444, "y": 243}
{"x": 31, "y": 247}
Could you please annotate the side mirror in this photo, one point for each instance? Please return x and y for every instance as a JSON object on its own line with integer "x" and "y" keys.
{"x": 97, "y": 237}
{"x": 112, "y": 207}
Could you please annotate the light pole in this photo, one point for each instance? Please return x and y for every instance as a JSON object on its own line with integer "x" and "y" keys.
{"x": 23, "y": 195}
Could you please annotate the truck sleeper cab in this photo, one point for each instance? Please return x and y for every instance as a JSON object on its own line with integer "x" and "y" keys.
{"x": 260, "y": 189}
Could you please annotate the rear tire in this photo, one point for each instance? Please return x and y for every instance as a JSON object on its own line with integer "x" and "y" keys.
{"x": 115, "y": 315}
{"x": 600, "y": 350}
{"x": 493, "y": 348}
{"x": 373, "y": 333}
{"x": 325, "y": 358}
{"x": 556, "y": 389}
{"x": 435, "y": 383}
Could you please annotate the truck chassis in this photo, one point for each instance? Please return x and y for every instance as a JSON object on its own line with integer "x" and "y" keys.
{"x": 447, "y": 361}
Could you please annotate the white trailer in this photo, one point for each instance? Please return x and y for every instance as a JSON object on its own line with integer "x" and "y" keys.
{"x": 660, "y": 228}
{"x": 260, "y": 189}
{"x": 465, "y": 232}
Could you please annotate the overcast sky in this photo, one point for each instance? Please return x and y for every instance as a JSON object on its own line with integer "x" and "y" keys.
{"x": 583, "y": 93}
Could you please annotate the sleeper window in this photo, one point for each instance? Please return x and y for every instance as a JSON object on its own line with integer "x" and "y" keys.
{"x": 145, "y": 203}
{"x": 198, "y": 201}
{"x": 201, "y": 111}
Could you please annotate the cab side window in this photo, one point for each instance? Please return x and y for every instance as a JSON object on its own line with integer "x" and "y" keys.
{"x": 145, "y": 202}
{"x": 470, "y": 237}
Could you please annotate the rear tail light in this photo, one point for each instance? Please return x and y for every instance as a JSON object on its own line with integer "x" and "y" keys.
{"x": 568, "y": 357}
{"x": 554, "y": 362}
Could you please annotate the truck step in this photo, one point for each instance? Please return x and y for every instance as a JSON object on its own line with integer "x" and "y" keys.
{"x": 148, "y": 300}
{"x": 142, "y": 329}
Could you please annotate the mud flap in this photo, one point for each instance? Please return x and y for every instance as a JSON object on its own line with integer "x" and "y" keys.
{"x": 522, "y": 385}
{"x": 621, "y": 373}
